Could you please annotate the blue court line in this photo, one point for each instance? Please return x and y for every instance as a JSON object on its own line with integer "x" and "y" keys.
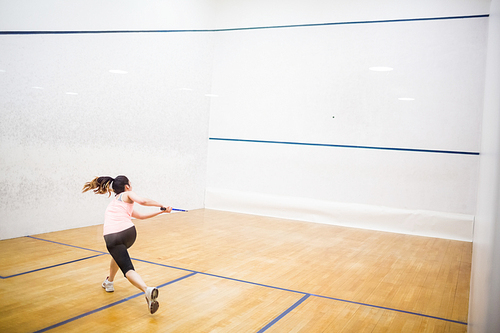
{"x": 349, "y": 146}
{"x": 303, "y": 293}
{"x": 221, "y": 276}
{"x": 275, "y": 320}
{"x": 54, "y": 32}
{"x": 391, "y": 309}
{"x": 109, "y": 305}
{"x": 193, "y": 272}
{"x": 78, "y": 247}
{"x": 57, "y": 265}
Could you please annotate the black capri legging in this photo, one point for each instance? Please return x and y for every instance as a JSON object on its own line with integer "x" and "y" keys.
{"x": 118, "y": 244}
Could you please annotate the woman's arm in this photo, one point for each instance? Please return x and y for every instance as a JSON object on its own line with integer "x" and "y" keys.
{"x": 132, "y": 196}
{"x": 142, "y": 216}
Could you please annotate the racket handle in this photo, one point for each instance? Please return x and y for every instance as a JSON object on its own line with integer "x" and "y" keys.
{"x": 178, "y": 210}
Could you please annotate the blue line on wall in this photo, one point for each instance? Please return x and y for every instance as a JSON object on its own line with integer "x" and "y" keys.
{"x": 350, "y": 146}
{"x": 357, "y": 22}
{"x": 54, "y": 32}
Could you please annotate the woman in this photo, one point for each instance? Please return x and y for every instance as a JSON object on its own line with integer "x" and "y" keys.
{"x": 119, "y": 231}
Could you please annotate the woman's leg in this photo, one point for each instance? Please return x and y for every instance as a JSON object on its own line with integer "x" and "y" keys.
{"x": 151, "y": 293}
{"x": 136, "y": 280}
{"x": 117, "y": 245}
{"x": 113, "y": 269}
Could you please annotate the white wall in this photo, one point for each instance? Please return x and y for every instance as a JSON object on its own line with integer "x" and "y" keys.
{"x": 272, "y": 84}
{"x": 485, "y": 280}
{"x": 104, "y": 15}
{"x": 256, "y": 13}
{"x": 150, "y": 124}
{"x": 287, "y": 84}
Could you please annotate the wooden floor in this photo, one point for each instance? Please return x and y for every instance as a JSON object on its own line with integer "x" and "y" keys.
{"x": 227, "y": 272}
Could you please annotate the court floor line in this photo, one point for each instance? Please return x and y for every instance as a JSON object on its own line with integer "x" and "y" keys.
{"x": 78, "y": 247}
{"x": 52, "y": 266}
{"x": 287, "y": 311}
{"x": 221, "y": 276}
{"x": 274, "y": 287}
{"x": 109, "y": 305}
{"x": 391, "y": 309}
{"x": 305, "y": 293}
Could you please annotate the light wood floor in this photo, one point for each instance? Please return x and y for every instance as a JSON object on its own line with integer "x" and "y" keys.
{"x": 227, "y": 272}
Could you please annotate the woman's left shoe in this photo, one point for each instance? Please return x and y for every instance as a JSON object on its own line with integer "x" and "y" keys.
{"x": 108, "y": 286}
{"x": 151, "y": 296}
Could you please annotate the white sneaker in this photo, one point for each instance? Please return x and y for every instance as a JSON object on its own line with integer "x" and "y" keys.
{"x": 151, "y": 296}
{"x": 108, "y": 285}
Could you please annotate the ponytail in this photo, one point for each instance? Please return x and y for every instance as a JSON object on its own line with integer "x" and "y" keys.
{"x": 100, "y": 185}
{"x": 103, "y": 185}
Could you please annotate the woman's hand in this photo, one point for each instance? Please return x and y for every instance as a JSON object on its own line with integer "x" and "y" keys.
{"x": 166, "y": 209}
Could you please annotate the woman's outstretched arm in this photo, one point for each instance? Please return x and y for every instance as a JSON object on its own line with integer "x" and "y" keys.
{"x": 132, "y": 196}
{"x": 142, "y": 216}
{"x": 142, "y": 201}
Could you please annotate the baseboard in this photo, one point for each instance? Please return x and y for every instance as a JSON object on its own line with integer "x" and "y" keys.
{"x": 412, "y": 222}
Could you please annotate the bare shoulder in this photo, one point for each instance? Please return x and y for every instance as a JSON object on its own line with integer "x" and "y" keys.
{"x": 129, "y": 196}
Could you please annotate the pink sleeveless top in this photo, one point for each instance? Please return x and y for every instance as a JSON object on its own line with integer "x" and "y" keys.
{"x": 118, "y": 216}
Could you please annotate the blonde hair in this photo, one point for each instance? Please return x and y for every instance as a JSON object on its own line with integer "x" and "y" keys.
{"x": 100, "y": 185}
